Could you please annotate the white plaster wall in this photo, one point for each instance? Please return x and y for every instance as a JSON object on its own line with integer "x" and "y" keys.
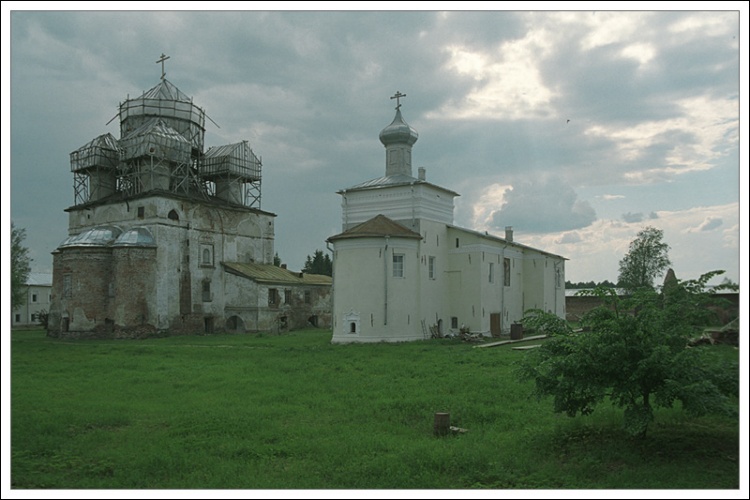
{"x": 405, "y": 204}
{"x": 362, "y": 266}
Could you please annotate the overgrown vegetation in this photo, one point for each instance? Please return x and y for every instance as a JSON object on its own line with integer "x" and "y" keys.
{"x": 637, "y": 355}
{"x": 296, "y": 412}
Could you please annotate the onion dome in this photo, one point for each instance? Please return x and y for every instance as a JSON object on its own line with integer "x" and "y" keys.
{"x": 398, "y": 132}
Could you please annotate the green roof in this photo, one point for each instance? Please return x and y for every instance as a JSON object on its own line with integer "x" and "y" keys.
{"x": 270, "y": 274}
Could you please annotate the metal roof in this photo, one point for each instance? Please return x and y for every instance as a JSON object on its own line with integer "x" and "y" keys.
{"x": 394, "y": 180}
{"x": 135, "y": 237}
{"x": 270, "y": 274}
{"x": 97, "y": 236}
{"x": 378, "y": 227}
{"x": 39, "y": 279}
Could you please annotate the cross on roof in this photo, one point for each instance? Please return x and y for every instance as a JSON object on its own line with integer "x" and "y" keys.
{"x": 161, "y": 60}
{"x": 398, "y": 96}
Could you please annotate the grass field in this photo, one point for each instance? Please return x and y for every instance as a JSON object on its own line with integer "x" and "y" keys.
{"x": 296, "y": 412}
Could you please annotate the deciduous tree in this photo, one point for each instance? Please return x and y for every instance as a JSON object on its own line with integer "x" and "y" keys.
{"x": 646, "y": 259}
{"x": 20, "y": 266}
{"x": 636, "y": 354}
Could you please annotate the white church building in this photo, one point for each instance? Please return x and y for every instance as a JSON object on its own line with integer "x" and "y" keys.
{"x": 402, "y": 269}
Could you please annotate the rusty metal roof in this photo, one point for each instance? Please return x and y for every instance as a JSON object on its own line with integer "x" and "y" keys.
{"x": 379, "y": 226}
{"x": 270, "y": 274}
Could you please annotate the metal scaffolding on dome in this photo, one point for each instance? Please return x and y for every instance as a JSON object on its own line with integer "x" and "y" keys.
{"x": 161, "y": 148}
{"x": 94, "y": 166}
{"x": 167, "y": 102}
{"x": 155, "y": 156}
{"x": 233, "y": 173}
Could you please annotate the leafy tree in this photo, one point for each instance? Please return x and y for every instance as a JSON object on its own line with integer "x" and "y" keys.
{"x": 636, "y": 354}
{"x": 646, "y": 259}
{"x": 319, "y": 263}
{"x": 20, "y": 266}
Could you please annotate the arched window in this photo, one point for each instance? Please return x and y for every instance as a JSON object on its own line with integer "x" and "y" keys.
{"x": 172, "y": 215}
{"x": 206, "y": 257}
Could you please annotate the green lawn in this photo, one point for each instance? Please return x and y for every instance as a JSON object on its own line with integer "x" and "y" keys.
{"x": 294, "y": 411}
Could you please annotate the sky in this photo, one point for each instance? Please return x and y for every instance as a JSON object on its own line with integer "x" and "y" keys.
{"x": 577, "y": 128}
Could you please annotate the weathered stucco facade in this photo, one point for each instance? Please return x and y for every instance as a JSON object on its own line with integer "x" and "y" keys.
{"x": 159, "y": 228}
{"x": 402, "y": 270}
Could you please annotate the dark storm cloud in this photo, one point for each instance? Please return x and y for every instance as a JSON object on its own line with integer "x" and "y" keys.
{"x": 310, "y": 91}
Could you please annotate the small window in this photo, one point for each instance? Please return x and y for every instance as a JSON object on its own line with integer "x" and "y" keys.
{"x": 207, "y": 256}
{"x": 454, "y": 322}
{"x": 33, "y": 297}
{"x": 506, "y": 272}
{"x": 308, "y": 297}
{"x": 141, "y": 212}
{"x": 431, "y": 267}
{"x": 352, "y": 327}
{"x": 398, "y": 265}
{"x": 206, "y": 291}
{"x": 287, "y": 296}
{"x": 456, "y": 242}
{"x": 172, "y": 215}
{"x": 272, "y": 297}
{"x": 18, "y": 318}
{"x": 492, "y": 272}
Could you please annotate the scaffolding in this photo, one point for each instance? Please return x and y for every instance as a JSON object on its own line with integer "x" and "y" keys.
{"x": 155, "y": 156}
{"x": 233, "y": 172}
{"x": 94, "y": 168}
{"x": 165, "y": 101}
{"x": 161, "y": 148}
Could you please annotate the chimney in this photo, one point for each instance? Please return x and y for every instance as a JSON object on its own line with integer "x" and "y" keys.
{"x": 422, "y": 173}
{"x": 509, "y": 233}
{"x": 283, "y": 266}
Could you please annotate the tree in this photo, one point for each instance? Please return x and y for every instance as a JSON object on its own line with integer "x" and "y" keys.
{"x": 20, "y": 266}
{"x": 276, "y": 259}
{"x": 636, "y": 354}
{"x": 646, "y": 259}
{"x": 319, "y": 263}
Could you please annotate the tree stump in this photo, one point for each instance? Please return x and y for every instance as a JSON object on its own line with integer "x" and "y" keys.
{"x": 442, "y": 424}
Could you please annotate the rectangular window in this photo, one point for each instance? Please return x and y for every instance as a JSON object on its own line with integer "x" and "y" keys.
{"x": 308, "y": 298}
{"x": 33, "y": 297}
{"x": 287, "y": 296}
{"x": 141, "y": 212}
{"x": 67, "y": 286}
{"x": 272, "y": 297}
{"x": 18, "y": 318}
{"x": 206, "y": 291}
{"x": 492, "y": 272}
{"x": 398, "y": 265}
{"x": 454, "y": 322}
{"x": 456, "y": 242}
{"x": 431, "y": 267}
{"x": 506, "y": 272}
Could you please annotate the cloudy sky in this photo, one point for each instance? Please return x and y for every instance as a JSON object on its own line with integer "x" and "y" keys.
{"x": 577, "y": 128}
